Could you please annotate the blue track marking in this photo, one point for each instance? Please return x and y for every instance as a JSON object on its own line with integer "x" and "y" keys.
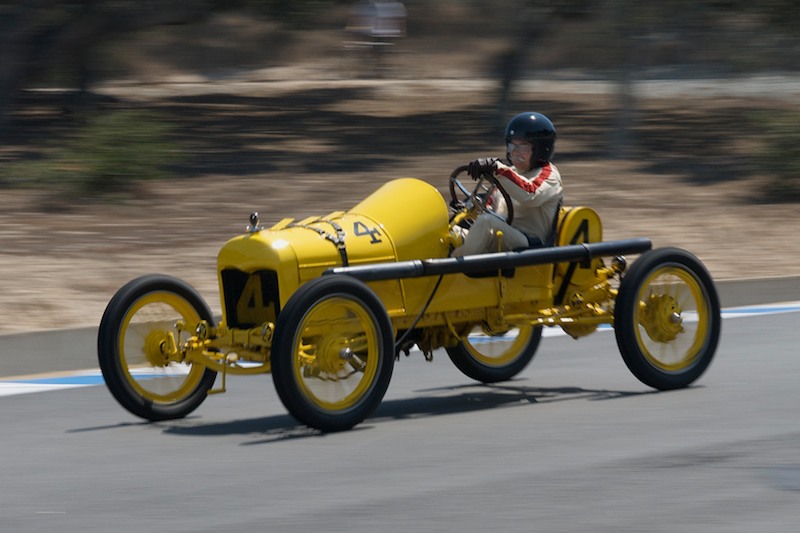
{"x": 44, "y": 383}
{"x": 88, "y": 378}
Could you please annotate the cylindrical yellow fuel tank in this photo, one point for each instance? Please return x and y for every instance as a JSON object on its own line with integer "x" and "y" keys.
{"x": 258, "y": 271}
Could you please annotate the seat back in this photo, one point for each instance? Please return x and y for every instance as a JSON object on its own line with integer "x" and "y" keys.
{"x": 576, "y": 225}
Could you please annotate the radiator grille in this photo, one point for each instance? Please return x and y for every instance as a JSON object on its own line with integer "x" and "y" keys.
{"x": 250, "y": 298}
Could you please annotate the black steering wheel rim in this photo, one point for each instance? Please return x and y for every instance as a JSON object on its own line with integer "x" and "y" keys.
{"x": 455, "y": 183}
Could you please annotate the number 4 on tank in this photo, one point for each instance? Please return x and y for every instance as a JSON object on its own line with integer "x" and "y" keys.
{"x": 360, "y": 229}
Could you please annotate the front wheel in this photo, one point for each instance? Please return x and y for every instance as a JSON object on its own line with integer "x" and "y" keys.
{"x": 332, "y": 353}
{"x": 667, "y": 319}
{"x": 137, "y": 342}
{"x": 489, "y": 358}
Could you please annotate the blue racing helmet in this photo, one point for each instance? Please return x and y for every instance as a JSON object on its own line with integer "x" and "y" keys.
{"x": 536, "y": 129}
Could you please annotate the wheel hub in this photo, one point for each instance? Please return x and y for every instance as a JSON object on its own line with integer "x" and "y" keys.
{"x": 662, "y": 318}
{"x": 158, "y": 347}
{"x": 331, "y": 356}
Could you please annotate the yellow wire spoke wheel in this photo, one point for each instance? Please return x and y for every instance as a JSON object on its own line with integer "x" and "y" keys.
{"x": 336, "y": 353}
{"x": 332, "y": 354}
{"x": 667, "y": 318}
{"x": 148, "y": 341}
{"x": 673, "y": 317}
{"x": 138, "y": 348}
{"x": 490, "y": 358}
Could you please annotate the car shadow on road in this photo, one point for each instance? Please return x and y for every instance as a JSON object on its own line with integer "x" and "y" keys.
{"x": 431, "y": 402}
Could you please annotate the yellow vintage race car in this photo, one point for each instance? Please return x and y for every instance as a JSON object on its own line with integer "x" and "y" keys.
{"x": 327, "y": 304}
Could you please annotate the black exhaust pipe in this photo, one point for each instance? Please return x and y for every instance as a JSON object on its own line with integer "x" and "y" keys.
{"x": 481, "y": 263}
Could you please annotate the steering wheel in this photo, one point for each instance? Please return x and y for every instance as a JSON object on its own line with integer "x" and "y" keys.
{"x": 462, "y": 198}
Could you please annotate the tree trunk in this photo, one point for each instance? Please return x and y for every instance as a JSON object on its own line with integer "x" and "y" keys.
{"x": 38, "y": 32}
{"x": 624, "y": 140}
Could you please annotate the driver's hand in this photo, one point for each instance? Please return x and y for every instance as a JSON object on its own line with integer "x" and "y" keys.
{"x": 481, "y": 166}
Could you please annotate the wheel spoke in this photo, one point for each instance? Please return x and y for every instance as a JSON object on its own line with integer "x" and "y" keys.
{"x": 670, "y": 341}
{"x": 146, "y": 331}
{"x": 338, "y": 328}
{"x": 667, "y": 318}
{"x": 496, "y": 350}
{"x": 139, "y": 348}
{"x": 491, "y": 356}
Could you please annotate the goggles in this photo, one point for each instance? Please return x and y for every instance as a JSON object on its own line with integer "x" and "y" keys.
{"x": 522, "y": 148}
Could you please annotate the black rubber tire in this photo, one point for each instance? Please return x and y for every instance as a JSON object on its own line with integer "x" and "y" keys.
{"x": 289, "y": 372}
{"x": 485, "y": 370}
{"x": 113, "y": 332}
{"x": 631, "y": 312}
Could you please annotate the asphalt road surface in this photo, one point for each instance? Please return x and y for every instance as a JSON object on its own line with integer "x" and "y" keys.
{"x": 575, "y": 443}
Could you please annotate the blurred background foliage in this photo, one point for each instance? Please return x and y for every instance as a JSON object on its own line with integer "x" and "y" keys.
{"x": 780, "y": 155}
{"x": 107, "y": 156}
{"x": 100, "y": 148}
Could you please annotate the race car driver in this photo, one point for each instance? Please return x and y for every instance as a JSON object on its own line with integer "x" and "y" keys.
{"x": 530, "y": 179}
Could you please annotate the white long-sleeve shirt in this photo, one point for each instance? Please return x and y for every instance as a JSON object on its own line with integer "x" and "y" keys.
{"x": 535, "y": 195}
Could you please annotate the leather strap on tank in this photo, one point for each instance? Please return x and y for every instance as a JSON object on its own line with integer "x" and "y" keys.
{"x": 337, "y": 239}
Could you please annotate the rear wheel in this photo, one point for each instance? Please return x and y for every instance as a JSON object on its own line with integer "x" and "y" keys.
{"x": 667, "y": 319}
{"x": 332, "y": 353}
{"x": 137, "y": 339}
{"x": 489, "y": 358}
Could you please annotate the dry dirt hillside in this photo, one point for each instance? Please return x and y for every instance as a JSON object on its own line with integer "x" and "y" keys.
{"x": 309, "y": 139}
